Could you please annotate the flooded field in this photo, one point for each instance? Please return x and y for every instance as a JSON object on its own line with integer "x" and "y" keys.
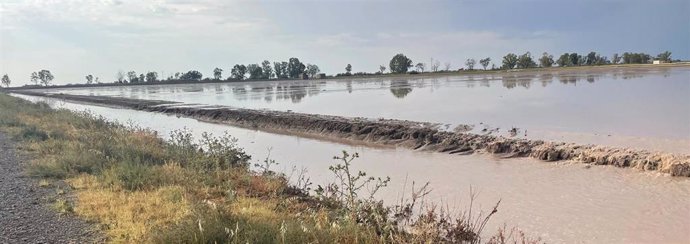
{"x": 560, "y": 202}
{"x": 646, "y": 108}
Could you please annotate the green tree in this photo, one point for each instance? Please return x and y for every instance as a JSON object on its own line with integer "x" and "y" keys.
{"x": 192, "y": 75}
{"x": 89, "y": 79}
{"x": 267, "y": 70}
{"x": 348, "y": 69}
{"x": 575, "y": 59}
{"x": 470, "y": 63}
{"x": 151, "y": 77}
{"x": 564, "y": 60}
{"x": 295, "y": 68}
{"x": 382, "y": 69}
{"x": 616, "y": 59}
{"x": 218, "y": 73}
{"x": 132, "y": 77}
{"x": 400, "y": 64}
{"x": 525, "y": 61}
{"x": 44, "y": 77}
{"x": 6, "y": 80}
{"x": 485, "y": 62}
{"x": 238, "y": 71}
{"x": 255, "y": 71}
{"x": 592, "y": 58}
{"x": 665, "y": 56}
{"x": 546, "y": 60}
{"x": 509, "y": 61}
{"x": 281, "y": 70}
{"x": 312, "y": 70}
{"x": 142, "y": 78}
{"x": 420, "y": 67}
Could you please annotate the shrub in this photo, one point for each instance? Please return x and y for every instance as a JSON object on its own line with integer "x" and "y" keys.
{"x": 32, "y": 133}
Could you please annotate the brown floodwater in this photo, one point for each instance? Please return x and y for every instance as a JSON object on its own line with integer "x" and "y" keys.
{"x": 647, "y": 108}
{"x": 559, "y": 202}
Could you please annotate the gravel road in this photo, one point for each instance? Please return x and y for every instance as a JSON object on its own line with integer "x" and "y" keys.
{"x": 25, "y": 213}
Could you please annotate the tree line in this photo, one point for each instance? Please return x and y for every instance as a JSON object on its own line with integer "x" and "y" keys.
{"x": 399, "y": 64}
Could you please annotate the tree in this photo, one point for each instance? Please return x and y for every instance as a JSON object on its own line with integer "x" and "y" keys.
{"x": 420, "y": 67}
{"x": 295, "y": 68}
{"x": 348, "y": 69}
{"x": 592, "y": 58}
{"x": 312, "y": 70}
{"x": 509, "y": 61}
{"x": 142, "y": 78}
{"x": 400, "y": 63}
{"x": 382, "y": 69}
{"x": 485, "y": 62}
{"x": 44, "y": 77}
{"x": 120, "y": 76}
{"x": 238, "y": 71}
{"x": 281, "y": 70}
{"x": 564, "y": 60}
{"x": 151, "y": 77}
{"x": 132, "y": 77}
{"x": 267, "y": 70}
{"x": 665, "y": 56}
{"x": 525, "y": 61}
{"x": 470, "y": 62}
{"x": 255, "y": 71}
{"x": 89, "y": 79}
{"x": 616, "y": 59}
{"x": 6, "y": 80}
{"x": 218, "y": 73}
{"x": 636, "y": 58}
{"x": 435, "y": 64}
{"x": 447, "y": 66}
{"x": 546, "y": 60}
{"x": 191, "y": 75}
{"x": 575, "y": 59}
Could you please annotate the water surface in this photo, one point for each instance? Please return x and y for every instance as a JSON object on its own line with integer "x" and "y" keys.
{"x": 647, "y": 108}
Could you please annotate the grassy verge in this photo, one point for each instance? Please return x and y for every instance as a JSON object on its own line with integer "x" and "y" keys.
{"x": 140, "y": 188}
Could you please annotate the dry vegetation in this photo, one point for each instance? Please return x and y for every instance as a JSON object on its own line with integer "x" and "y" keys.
{"x": 140, "y": 188}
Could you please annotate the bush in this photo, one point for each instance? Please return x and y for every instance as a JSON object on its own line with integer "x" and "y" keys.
{"x": 32, "y": 133}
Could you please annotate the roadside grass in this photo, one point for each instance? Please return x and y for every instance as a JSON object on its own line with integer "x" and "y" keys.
{"x": 140, "y": 188}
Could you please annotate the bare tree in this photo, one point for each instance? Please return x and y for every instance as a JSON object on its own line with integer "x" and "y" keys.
{"x": 447, "y": 66}
{"x": 434, "y": 65}
{"x": 120, "y": 76}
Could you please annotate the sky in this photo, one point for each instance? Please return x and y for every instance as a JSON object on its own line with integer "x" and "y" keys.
{"x": 101, "y": 37}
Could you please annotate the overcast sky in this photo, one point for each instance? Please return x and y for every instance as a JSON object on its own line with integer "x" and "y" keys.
{"x": 76, "y": 38}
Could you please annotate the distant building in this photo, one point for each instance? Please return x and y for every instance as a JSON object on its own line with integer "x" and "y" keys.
{"x": 321, "y": 76}
{"x": 304, "y": 76}
{"x": 659, "y": 62}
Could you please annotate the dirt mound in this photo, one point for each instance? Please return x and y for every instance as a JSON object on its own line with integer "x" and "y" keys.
{"x": 410, "y": 134}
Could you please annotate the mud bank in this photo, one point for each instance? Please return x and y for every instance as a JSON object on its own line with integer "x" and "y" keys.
{"x": 409, "y": 134}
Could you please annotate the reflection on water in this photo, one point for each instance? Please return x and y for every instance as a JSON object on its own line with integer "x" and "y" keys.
{"x": 400, "y": 88}
{"x": 645, "y": 108}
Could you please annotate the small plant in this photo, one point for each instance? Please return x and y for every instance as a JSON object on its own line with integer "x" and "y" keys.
{"x": 44, "y": 183}
{"x": 348, "y": 185}
{"x": 63, "y": 206}
{"x": 266, "y": 166}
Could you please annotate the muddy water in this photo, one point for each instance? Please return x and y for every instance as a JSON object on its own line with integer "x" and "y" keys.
{"x": 646, "y": 108}
{"x": 558, "y": 202}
